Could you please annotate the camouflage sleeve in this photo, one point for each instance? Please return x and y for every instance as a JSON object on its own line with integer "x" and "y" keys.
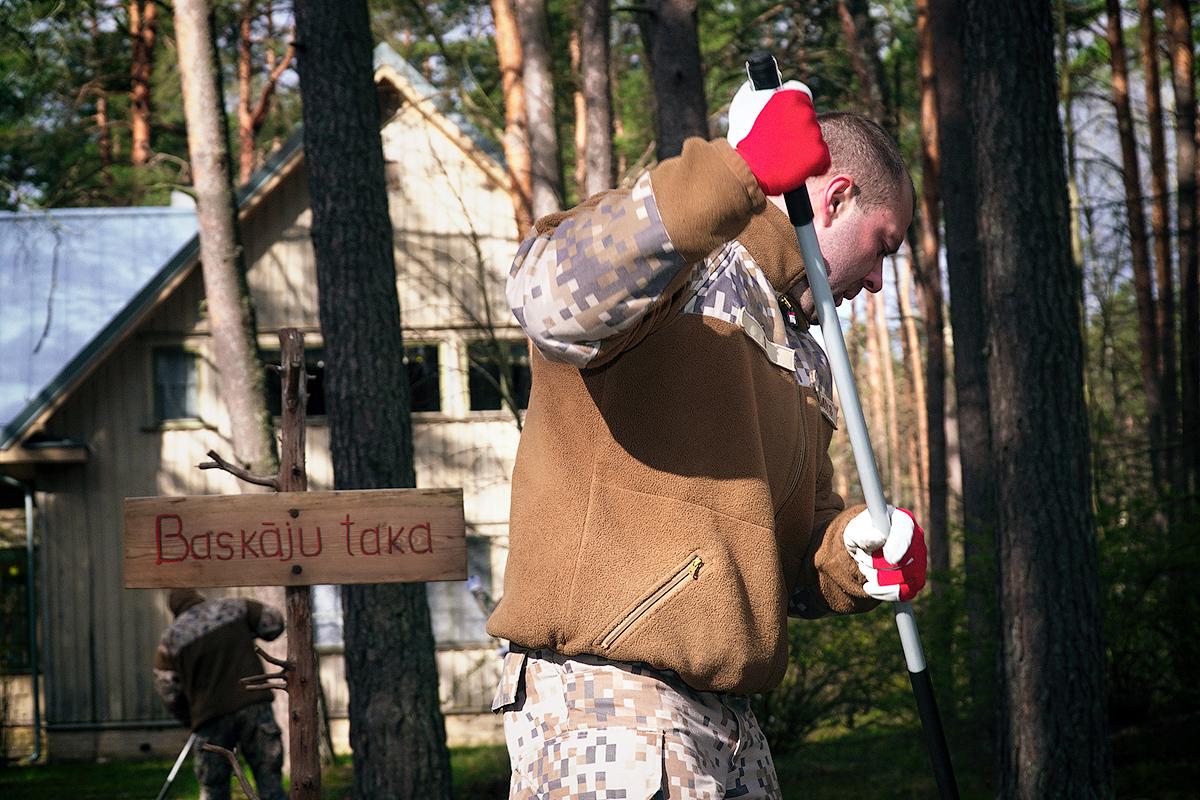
{"x": 169, "y": 686}
{"x": 585, "y": 281}
{"x": 265, "y": 622}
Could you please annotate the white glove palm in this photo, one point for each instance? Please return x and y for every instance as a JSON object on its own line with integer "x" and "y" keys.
{"x": 892, "y": 562}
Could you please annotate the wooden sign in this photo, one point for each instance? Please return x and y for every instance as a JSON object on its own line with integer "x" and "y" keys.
{"x": 295, "y": 538}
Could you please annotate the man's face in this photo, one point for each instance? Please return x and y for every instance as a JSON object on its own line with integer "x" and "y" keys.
{"x": 855, "y": 242}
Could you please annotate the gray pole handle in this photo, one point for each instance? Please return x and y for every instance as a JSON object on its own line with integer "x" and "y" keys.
{"x": 856, "y": 423}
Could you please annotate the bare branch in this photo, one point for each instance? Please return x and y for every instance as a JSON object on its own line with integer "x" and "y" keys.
{"x": 237, "y": 472}
{"x": 237, "y": 768}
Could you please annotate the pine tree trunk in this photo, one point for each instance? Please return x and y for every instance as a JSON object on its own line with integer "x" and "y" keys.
{"x": 859, "y": 33}
{"x": 516, "y": 129}
{"x": 594, "y": 63}
{"x": 397, "y": 731}
{"x": 929, "y": 285}
{"x": 902, "y": 277}
{"x": 1179, "y": 37}
{"x": 1142, "y": 272}
{"x": 244, "y": 115}
{"x": 887, "y": 362}
{"x": 965, "y": 276}
{"x": 538, "y": 77}
{"x": 669, "y": 32}
{"x": 1159, "y": 212}
{"x": 877, "y": 424}
{"x": 143, "y": 25}
{"x": 1054, "y": 732}
{"x": 230, "y": 310}
{"x": 580, "y": 116}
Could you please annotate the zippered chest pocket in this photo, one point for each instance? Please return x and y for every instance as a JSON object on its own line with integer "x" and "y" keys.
{"x": 679, "y": 581}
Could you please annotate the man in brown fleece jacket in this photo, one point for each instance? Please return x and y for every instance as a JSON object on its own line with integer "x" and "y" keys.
{"x": 672, "y": 496}
{"x": 198, "y": 668}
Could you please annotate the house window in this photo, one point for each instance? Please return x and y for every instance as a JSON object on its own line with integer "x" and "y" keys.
{"x": 175, "y": 392}
{"x": 14, "y": 611}
{"x": 421, "y": 361}
{"x": 489, "y": 360}
{"x": 314, "y": 364}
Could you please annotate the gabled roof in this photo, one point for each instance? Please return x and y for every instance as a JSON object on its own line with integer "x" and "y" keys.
{"x": 149, "y": 267}
{"x": 65, "y": 274}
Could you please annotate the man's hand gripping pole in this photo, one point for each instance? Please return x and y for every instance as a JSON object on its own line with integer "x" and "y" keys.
{"x": 764, "y": 75}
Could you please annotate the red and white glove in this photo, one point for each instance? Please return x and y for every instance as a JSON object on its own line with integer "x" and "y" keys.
{"x": 776, "y": 132}
{"x": 893, "y": 563}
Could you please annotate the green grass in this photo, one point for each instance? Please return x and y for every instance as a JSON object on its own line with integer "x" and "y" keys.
{"x": 1152, "y": 761}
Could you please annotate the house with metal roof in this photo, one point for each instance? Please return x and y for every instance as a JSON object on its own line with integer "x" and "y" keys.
{"x": 108, "y": 389}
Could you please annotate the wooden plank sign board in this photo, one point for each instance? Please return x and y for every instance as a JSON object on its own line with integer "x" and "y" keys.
{"x": 295, "y": 538}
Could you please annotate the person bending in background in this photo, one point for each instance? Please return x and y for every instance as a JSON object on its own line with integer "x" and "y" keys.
{"x": 198, "y": 668}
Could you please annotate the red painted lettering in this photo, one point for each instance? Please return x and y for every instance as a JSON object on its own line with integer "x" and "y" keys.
{"x": 160, "y": 534}
{"x": 366, "y": 537}
{"x": 223, "y": 545}
{"x": 248, "y": 543}
{"x": 262, "y": 537}
{"x": 346, "y": 523}
{"x": 395, "y": 543}
{"x": 420, "y": 542}
{"x": 300, "y": 536}
{"x": 206, "y": 537}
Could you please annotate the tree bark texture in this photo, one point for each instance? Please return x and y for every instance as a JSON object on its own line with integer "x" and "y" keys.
{"x": 594, "y": 62}
{"x": 1179, "y": 37}
{"x": 859, "y": 32}
{"x": 538, "y": 77}
{"x": 1131, "y": 174}
{"x": 888, "y": 364}
{"x": 902, "y": 276}
{"x": 230, "y": 309}
{"x": 671, "y": 38}
{"x": 1159, "y": 213}
{"x": 877, "y": 423}
{"x": 303, "y": 680}
{"x": 964, "y": 270}
{"x": 580, "y": 116}
{"x": 397, "y": 731}
{"x": 516, "y": 128}
{"x": 1054, "y": 732}
{"x": 251, "y": 114}
{"x": 143, "y": 27}
{"x": 929, "y": 285}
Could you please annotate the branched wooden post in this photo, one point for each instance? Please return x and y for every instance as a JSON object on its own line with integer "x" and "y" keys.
{"x": 302, "y": 670}
{"x": 298, "y": 674}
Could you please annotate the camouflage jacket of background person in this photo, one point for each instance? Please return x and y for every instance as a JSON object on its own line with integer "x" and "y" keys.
{"x": 672, "y": 495}
{"x": 206, "y": 652}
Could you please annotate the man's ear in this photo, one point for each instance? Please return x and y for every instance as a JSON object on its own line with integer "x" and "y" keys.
{"x": 837, "y": 196}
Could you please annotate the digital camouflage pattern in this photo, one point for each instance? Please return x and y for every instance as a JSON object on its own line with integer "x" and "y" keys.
{"x": 591, "y": 729}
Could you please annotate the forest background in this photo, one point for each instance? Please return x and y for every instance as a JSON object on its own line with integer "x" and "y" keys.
{"x": 91, "y": 114}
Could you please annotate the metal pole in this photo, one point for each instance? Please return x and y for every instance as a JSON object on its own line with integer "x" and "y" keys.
{"x": 175, "y": 769}
{"x": 764, "y": 73}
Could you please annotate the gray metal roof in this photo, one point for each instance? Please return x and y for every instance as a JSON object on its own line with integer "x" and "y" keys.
{"x": 65, "y": 274}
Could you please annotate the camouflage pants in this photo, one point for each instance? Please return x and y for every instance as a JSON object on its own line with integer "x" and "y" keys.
{"x": 254, "y": 732}
{"x": 585, "y": 727}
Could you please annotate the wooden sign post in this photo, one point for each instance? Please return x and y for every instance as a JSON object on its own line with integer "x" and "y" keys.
{"x": 294, "y": 540}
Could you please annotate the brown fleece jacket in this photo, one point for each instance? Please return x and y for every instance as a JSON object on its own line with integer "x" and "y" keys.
{"x": 672, "y": 492}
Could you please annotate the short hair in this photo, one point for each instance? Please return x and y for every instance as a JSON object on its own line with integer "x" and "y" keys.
{"x": 865, "y": 151}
